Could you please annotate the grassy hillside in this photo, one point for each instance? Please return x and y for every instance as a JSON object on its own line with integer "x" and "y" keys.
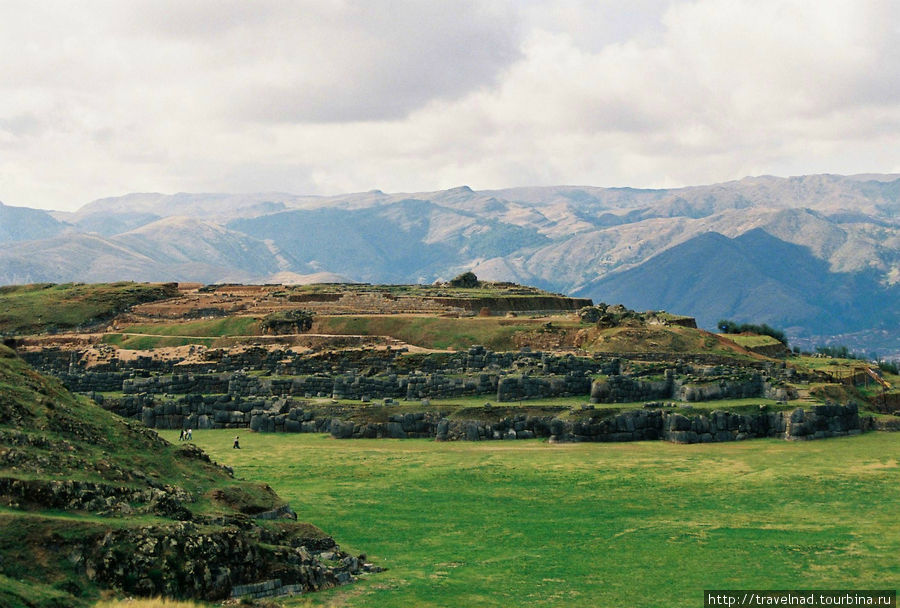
{"x": 752, "y": 340}
{"x": 563, "y": 332}
{"x": 527, "y": 523}
{"x": 89, "y": 500}
{"x": 435, "y": 332}
{"x": 47, "y": 307}
{"x": 160, "y": 335}
{"x": 643, "y": 339}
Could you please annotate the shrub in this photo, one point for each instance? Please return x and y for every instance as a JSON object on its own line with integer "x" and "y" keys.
{"x": 466, "y": 280}
{"x": 891, "y": 367}
{"x": 730, "y": 327}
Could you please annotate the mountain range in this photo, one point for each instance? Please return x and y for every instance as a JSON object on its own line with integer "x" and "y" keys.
{"x": 817, "y": 255}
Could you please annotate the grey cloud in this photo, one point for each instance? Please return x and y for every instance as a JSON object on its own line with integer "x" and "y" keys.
{"x": 198, "y": 19}
{"x": 21, "y": 125}
{"x": 103, "y": 96}
{"x": 312, "y": 61}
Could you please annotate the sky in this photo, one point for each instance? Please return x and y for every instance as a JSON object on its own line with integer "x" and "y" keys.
{"x": 103, "y": 98}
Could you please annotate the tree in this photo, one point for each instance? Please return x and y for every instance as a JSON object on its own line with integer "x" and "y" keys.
{"x": 466, "y": 280}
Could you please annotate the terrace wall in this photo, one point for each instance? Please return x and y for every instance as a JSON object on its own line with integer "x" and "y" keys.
{"x": 290, "y": 416}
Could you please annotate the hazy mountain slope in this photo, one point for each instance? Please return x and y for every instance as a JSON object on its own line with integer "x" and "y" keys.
{"x": 24, "y": 224}
{"x": 106, "y": 223}
{"x": 752, "y": 277}
{"x": 409, "y": 240}
{"x": 174, "y": 241}
{"x": 220, "y": 207}
{"x": 76, "y": 257}
{"x": 874, "y": 195}
{"x": 170, "y": 249}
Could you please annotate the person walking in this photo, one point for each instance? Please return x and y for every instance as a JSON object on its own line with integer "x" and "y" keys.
{"x": 237, "y": 444}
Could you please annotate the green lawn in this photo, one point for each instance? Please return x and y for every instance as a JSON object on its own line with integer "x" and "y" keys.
{"x": 226, "y": 326}
{"x": 637, "y": 524}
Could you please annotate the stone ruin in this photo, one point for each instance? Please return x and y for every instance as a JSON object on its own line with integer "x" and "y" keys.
{"x": 270, "y": 390}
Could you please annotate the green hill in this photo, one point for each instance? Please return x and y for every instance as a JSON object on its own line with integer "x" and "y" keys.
{"x": 42, "y": 307}
{"x": 90, "y": 501}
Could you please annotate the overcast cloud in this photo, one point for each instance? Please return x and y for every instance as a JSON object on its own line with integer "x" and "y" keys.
{"x": 104, "y": 98}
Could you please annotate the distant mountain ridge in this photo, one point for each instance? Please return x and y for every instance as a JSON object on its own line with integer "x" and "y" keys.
{"x": 755, "y": 276}
{"x": 803, "y": 252}
{"x": 24, "y": 224}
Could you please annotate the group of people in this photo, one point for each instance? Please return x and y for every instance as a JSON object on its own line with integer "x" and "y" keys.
{"x": 187, "y": 436}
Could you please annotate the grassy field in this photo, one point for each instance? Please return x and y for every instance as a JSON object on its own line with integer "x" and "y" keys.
{"x": 227, "y": 326}
{"x": 637, "y": 524}
{"x": 159, "y": 335}
{"x": 498, "y": 333}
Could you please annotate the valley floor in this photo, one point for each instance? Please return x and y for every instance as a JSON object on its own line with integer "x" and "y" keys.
{"x": 637, "y": 524}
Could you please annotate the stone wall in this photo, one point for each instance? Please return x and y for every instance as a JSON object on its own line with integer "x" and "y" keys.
{"x": 199, "y": 412}
{"x": 523, "y": 387}
{"x": 681, "y": 427}
{"x": 691, "y": 383}
{"x": 176, "y": 383}
{"x": 86, "y": 382}
{"x": 281, "y": 362}
{"x": 286, "y": 415}
{"x": 369, "y": 374}
{"x": 478, "y": 372}
{"x": 818, "y": 423}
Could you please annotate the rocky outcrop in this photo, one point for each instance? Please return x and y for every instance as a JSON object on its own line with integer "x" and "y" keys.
{"x": 185, "y": 560}
{"x": 101, "y": 498}
{"x": 99, "y": 501}
{"x": 605, "y": 316}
